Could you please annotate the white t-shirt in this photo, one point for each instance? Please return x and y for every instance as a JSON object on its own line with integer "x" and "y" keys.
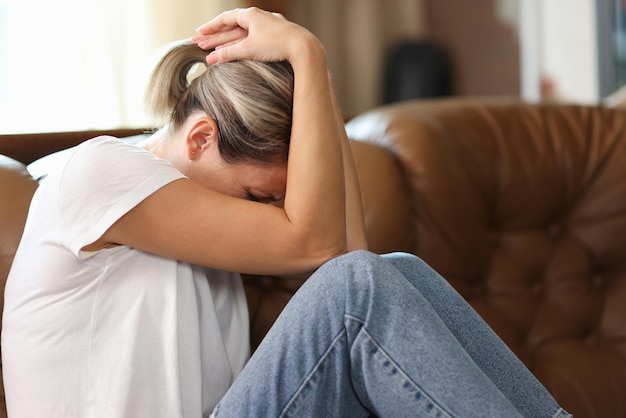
{"x": 117, "y": 332}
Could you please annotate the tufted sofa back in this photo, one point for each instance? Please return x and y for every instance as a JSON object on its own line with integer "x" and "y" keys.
{"x": 523, "y": 209}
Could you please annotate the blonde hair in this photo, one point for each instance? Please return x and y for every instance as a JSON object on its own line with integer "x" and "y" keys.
{"x": 250, "y": 101}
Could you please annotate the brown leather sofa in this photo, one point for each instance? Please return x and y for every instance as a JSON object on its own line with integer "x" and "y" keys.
{"x": 521, "y": 207}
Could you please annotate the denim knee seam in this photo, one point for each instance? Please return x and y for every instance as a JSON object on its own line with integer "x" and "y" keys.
{"x": 314, "y": 370}
{"x": 421, "y": 397}
{"x": 561, "y": 413}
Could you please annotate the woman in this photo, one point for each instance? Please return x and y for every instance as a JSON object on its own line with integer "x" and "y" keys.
{"x": 130, "y": 309}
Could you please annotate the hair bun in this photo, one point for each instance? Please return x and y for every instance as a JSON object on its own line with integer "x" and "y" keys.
{"x": 172, "y": 76}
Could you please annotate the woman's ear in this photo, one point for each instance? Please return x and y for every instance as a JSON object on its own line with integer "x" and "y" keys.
{"x": 202, "y": 133}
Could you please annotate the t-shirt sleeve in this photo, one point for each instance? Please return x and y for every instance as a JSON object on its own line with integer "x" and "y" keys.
{"x": 102, "y": 180}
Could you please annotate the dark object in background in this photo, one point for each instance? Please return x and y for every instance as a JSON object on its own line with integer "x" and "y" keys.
{"x": 415, "y": 70}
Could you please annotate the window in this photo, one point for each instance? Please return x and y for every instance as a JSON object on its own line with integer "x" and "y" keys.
{"x": 69, "y": 65}
{"x": 611, "y": 23}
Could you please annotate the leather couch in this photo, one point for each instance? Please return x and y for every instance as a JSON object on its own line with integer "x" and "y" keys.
{"x": 522, "y": 207}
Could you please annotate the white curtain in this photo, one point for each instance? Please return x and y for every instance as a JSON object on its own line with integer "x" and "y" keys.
{"x": 83, "y": 64}
{"x": 357, "y": 35}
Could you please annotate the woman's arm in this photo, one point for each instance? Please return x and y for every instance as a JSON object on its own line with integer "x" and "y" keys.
{"x": 355, "y": 223}
{"x": 185, "y": 221}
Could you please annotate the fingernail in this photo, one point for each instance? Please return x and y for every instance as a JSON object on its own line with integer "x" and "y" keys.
{"x": 212, "y": 58}
{"x": 203, "y": 44}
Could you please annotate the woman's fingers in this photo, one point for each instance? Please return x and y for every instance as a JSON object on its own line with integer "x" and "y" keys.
{"x": 226, "y": 32}
{"x": 228, "y": 52}
{"x": 224, "y": 21}
{"x": 250, "y": 34}
{"x": 221, "y": 38}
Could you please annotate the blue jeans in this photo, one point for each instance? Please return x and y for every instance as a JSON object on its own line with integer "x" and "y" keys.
{"x": 385, "y": 336}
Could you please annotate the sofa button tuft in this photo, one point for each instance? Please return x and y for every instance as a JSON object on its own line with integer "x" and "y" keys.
{"x": 554, "y": 230}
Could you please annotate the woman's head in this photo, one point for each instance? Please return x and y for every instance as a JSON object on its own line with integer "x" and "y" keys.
{"x": 251, "y": 102}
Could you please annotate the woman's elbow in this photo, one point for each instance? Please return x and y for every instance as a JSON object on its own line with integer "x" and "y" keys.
{"x": 323, "y": 252}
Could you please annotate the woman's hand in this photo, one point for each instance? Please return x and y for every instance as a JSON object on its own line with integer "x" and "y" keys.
{"x": 253, "y": 34}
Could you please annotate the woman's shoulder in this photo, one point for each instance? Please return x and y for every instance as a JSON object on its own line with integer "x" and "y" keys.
{"x": 106, "y": 143}
{"x": 109, "y": 159}
{"x": 40, "y": 168}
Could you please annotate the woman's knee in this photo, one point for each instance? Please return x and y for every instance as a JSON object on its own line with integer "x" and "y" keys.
{"x": 411, "y": 265}
{"x": 354, "y": 262}
{"x": 406, "y": 259}
{"x": 363, "y": 263}
{"x": 360, "y": 257}
{"x": 353, "y": 266}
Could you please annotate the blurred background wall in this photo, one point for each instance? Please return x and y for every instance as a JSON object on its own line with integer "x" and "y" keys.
{"x": 357, "y": 35}
{"x": 477, "y": 38}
